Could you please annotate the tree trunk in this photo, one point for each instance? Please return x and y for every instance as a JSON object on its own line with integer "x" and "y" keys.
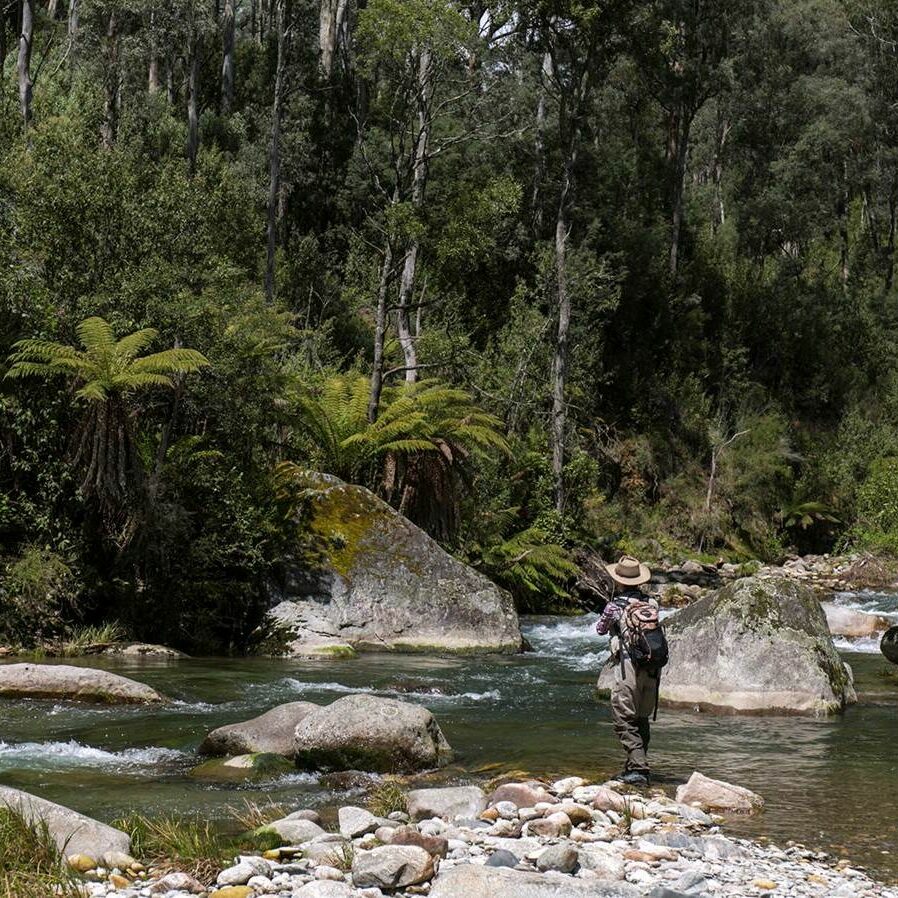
{"x": 539, "y": 174}
{"x": 681, "y": 149}
{"x": 73, "y": 19}
{"x": 26, "y": 37}
{"x": 380, "y": 329}
{"x": 723, "y": 130}
{"x": 52, "y": 10}
{"x": 109, "y": 125}
{"x": 154, "y": 85}
{"x": 330, "y": 22}
{"x": 560, "y": 360}
{"x": 274, "y": 154}
{"x": 890, "y": 243}
{"x": 410, "y": 266}
{"x": 193, "y": 117}
{"x": 842, "y": 214}
{"x": 227, "y": 66}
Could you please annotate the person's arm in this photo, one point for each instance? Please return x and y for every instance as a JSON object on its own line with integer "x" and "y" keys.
{"x": 609, "y": 617}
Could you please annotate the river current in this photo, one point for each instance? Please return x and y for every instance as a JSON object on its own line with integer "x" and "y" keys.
{"x": 832, "y": 784}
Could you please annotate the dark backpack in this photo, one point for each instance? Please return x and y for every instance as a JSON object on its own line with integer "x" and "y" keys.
{"x": 642, "y": 636}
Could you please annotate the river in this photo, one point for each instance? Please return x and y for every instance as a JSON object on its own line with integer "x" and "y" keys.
{"x": 828, "y": 783}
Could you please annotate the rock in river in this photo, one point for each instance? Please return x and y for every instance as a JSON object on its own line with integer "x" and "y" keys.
{"x": 365, "y": 732}
{"x": 243, "y": 768}
{"x": 271, "y": 732}
{"x": 889, "y": 645}
{"x": 379, "y": 583}
{"x": 65, "y": 681}
{"x": 853, "y": 624}
{"x": 469, "y": 881}
{"x": 716, "y": 795}
{"x": 755, "y": 646}
{"x": 73, "y": 832}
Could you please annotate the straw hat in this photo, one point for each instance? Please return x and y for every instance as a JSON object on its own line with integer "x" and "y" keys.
{"x": 629, "y": 572}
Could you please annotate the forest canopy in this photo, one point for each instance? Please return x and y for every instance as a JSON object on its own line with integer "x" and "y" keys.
{"x": 545, "y": 275}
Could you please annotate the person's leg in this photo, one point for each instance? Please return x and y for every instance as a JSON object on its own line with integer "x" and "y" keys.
{"x": 647, "y": 690}
{"x": 624, "y": 703}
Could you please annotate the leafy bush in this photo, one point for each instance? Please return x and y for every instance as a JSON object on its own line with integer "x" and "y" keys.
{"x": 40, "y": 592}
{"x": 877, "y": 511}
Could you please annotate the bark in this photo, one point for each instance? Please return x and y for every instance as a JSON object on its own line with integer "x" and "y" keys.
{"x": 52, "y": 10}
{"x": 74, "y": 19}
{"x": 109, "y": 126}
{"x": 560, "y": 359}
{"x": 274, "y": 154}
{"x": 539, "y": 174}
{"x": 26, "y": 37}
{"x": 681, "y": 150}
{"x": 380, "y": 329}
{"x": 227, "y": 66}
{"x": 723, "y": 130}
{"x": 890, "y": 243}
{"x": 193, "y": 117}
{"x": 410, "y": 265}
{"x": 330, "y": 23}
{"x": 154, "y": 85}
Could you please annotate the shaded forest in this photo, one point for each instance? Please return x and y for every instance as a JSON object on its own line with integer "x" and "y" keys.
{"x": 544, "y": 275}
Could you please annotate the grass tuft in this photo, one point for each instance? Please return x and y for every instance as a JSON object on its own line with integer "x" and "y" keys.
{"x": 251, "y": 815}
{"x": 83, "y": 639}
{"x": 169, "y": 843}
{"x": 30, "y": 863}
{"x": 388, "y": 796}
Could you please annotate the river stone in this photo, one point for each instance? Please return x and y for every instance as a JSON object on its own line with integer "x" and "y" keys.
{"x": 470, "y": 881}
{"x": 365, "y": 732}
{"x": 522, "y": 795}
{"x": 293, "y": 830}
{"x": 716, "y": 795}
{"x": 502, "y": 858}
{"x": 562, "y": 858}
{"x": 608, "y": 800}
{"x": 178, "y": 882}
{"x": 325, "y": 889}
{"x": 72, "y": 832}
{"x": 355, "y": 822}
{"x": 437, "y": 846}
{"x": 889, "y": 645}
{"x": 755, "y": 646}
{"x": 269, "y": 733}
{"x": 392, "y": 867}
{"x": 381, "y": 583}
{"x": 459, "y": 802}
{"x": 144, "y": 650}
{"x": 853, "y": 624}
{"x": 550, "y": 827}
{"x": 65, "y": 681}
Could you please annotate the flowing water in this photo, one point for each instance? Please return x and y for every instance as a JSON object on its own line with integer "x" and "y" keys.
{"x": 831, "y": 784}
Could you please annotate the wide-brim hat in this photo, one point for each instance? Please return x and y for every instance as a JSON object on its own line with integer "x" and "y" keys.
{"x": 629, "y": 571}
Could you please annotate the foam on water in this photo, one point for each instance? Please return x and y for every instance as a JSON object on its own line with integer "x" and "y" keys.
{"x": 75, "y": 754}
{"x": 867, "y": 645}
{"x": 424, "y": 694}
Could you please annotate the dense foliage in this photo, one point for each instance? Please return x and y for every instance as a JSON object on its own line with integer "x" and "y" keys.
{"x": 545, "y": 274}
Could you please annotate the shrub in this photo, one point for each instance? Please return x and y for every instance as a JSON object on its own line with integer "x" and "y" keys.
{"x": 40, "y": 591}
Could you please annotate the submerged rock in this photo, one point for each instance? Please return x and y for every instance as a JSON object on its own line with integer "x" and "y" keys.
{"x": 242, "y": 768}
{"x": 853, "y": 624}
{"x": 379, "y": 583}
{"x": 365, "y": 732}
{"x": 73, "y": 833}
{"x": 755, "y": 646}
{"x": 271, "y": 733}
{"x": 66, "y": 681}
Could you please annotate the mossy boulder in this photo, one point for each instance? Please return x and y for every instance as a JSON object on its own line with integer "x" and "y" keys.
{"x": 754, "y": 647}
{"x": 269, "y": 733}
{"x": 368, "y": 579}
{"x": 243, "y": 768}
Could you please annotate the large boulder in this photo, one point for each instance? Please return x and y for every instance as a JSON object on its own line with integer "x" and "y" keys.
{"x": 73, "y": 832}
{"x": 364, "y": 732}
{"x": 375, "y": 582}
{"x": 271, "y": 733}
{"x": 65, "y": 681}
{"x": 755, "y": 646}
{"x": 470, "y": 881}
{"x": 889, "y": 645}
{"x": 853, "y": 624}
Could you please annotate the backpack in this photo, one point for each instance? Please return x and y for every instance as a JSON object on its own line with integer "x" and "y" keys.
{"x": 642, "y": 636}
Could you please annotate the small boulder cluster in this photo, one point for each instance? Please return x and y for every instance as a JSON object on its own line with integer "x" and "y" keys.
{"x": 568, "y": 839}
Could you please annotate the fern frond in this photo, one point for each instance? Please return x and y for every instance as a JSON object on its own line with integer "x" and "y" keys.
{"x": 171, "y": 361}
{"x": 131, "y": 346}
{"x": 96, "y": 336}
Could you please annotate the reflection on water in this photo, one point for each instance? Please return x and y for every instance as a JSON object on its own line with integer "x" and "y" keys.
{"x": 829, "y": 783}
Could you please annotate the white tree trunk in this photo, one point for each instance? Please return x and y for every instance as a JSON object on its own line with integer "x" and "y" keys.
{"x": 26, "y": 38}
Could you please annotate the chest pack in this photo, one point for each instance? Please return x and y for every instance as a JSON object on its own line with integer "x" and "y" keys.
{"x": 642, "y": 636}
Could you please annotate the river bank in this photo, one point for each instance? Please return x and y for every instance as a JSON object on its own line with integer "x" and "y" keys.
{"x": 568, "y": 838}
